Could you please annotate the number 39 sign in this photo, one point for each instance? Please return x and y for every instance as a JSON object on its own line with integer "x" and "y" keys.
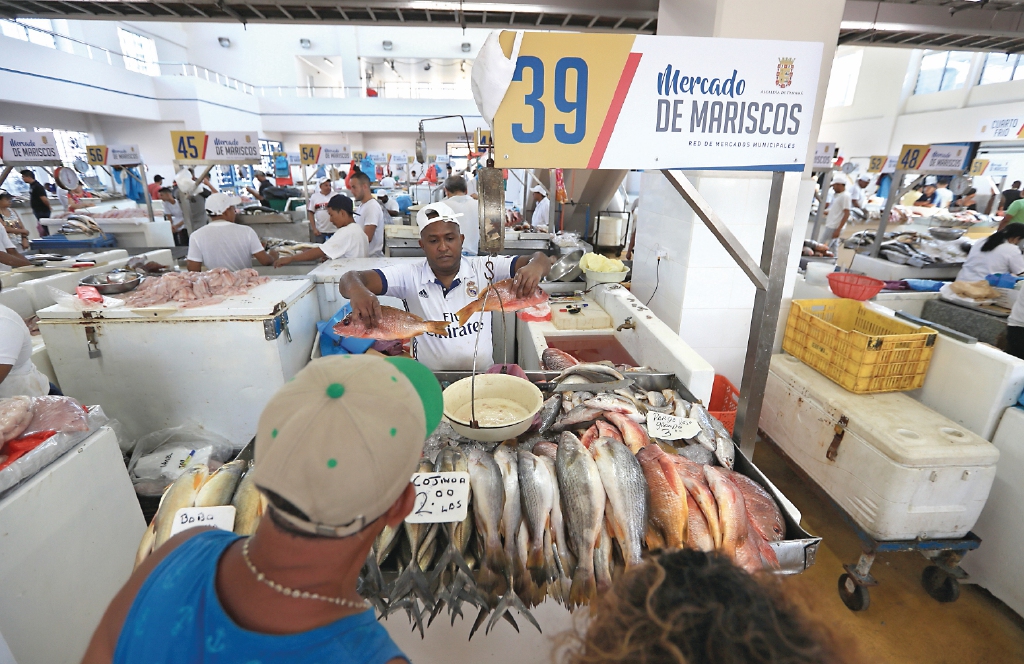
{"x": 640, "y": 101}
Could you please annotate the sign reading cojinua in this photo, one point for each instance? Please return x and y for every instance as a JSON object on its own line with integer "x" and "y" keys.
{"x": 639, "y": 101}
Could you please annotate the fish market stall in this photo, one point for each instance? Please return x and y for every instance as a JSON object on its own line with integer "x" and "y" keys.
{"x": 936, "y": 253}
{"x": 71, "y": 525}
{"x": 156, "y": 361}
{"x": 128, "y": 230}
{"x": 274, "y": 224}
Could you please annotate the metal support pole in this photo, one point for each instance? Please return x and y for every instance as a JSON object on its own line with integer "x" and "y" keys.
{"x": 145, "y": 192}
{"x": 764, "y": 319}
{"x": 896, "y": 190}
{"x": 826, "y": 182}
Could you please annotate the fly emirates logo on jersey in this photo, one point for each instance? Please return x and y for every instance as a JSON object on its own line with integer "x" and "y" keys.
{"x": 454, "y": 331}
{"x": 699, "y": 104}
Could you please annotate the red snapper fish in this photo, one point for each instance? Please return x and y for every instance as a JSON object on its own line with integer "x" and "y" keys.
{"x": 501, "y": 296}
{"x": 393, "y": 324}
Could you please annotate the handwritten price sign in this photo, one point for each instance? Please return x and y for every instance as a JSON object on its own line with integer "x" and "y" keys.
{"x": 221, "y": 517}
{"x": 440, "y": 498}
{"x": 670, "y": 427}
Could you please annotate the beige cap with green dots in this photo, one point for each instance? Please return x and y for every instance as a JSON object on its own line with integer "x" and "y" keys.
{"x": 342, "y": 439}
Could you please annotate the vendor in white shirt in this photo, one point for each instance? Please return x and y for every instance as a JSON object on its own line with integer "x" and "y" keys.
{"x": 541, "y": 210}
{"x": 18, "y": 376}
{"x": 838, "y": 210}
{"x": 9, "y": 254}
{"x": 173, "y": 214}
{"x": 348, "y": 240}
{"x": 438, "y": 287}
{"x": 222, "y": 242}
{"x": 371, "y": 215}
{"x": 316, "y": 210}
{"x": 458, "y": 199}
{"x": 999, "y": 253}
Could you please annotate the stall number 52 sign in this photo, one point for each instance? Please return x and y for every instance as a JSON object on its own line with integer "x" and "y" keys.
{"x": 440, "y": 497}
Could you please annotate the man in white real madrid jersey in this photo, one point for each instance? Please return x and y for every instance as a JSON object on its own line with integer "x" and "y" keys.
{"x": 437, "y": 288}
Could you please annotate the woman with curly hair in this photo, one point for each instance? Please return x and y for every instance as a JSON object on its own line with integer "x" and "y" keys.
{"x": 689, "y": 607}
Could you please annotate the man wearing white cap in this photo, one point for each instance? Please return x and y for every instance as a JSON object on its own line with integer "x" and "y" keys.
{"x": 316, "y": 210}
{"x": 838, "y": 210}
{"x": 335, "y": 470}
{"x": 437, "y": 288}
{"x": 542, "y": 210}
{"x": 222, "y": 242}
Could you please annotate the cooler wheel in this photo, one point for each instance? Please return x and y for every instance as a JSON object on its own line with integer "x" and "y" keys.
{"x": 941, "y": 585}
{"x": 854, "y": 596}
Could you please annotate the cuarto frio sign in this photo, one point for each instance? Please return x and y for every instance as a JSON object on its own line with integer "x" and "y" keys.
{"x": 625, "y": 101}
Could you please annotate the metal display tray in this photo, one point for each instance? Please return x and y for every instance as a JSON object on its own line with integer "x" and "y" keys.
{"x": 795, "y": 553}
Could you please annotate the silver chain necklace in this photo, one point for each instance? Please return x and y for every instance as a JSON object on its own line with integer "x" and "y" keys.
{"x": 291, "y": 592}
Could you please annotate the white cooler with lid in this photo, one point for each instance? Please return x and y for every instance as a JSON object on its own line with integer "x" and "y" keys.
{"x": 900, "y": 470}
{"x": 155, "y": 368}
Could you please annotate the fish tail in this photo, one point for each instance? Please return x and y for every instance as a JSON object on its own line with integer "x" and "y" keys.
{"x": 438, "y": 327}
{"x": 584, "y": 584}
{"x": 535, "y": 563}
{"x": 466, "y": 312}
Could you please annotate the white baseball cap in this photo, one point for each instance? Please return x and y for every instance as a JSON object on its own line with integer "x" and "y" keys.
{"x": 840, "y": 178}
{"x": 219, "y": 203}
{"x": 538, "y": 189}
{"x": 325, "y": 445}
{"x": 444, "y": 213}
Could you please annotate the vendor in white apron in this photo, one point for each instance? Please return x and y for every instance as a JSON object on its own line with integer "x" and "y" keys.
{"x": 441, "y": 285}
{"x": 18, "y": 376}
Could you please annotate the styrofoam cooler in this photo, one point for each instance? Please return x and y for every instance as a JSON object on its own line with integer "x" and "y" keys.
{"x": 900, "y": 470}
{"x": 217, "y": 365}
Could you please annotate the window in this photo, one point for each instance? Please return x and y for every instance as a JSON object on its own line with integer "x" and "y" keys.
{"x": 842, "y": 84}
{"x": 1001, "y": 67}
{"x": 942, "y": 70}
{"x": 139, "y": 53}
{"x": 18, "y": 30}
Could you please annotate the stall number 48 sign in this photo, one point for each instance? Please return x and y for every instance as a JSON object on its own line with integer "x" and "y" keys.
{"x": 912, "y": 156}
{"x": 534, "y": 99}
{"x": 440, "y": 497}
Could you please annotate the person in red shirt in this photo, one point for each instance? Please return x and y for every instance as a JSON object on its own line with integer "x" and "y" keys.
{"x": 155, "y": 186}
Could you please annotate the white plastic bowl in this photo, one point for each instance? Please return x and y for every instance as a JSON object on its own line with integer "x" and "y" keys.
{"x": 515, "y": 389}
{"x": 594, "y": 278}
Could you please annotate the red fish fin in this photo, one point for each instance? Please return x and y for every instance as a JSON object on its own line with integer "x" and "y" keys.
{"x": 467, "y": 311}
{"x": 438, "y": 327}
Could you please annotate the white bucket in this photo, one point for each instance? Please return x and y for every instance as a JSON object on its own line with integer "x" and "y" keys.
{"x": 609, "y": 233}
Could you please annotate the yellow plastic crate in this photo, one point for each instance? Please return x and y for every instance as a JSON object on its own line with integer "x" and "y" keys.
{"x": 861, "y": 350}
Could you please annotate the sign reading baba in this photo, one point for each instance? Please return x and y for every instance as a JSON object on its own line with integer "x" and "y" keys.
{"x": 641, "y": 101}
{"x": 223, "y": 147}
{"x": 28, "y": 146}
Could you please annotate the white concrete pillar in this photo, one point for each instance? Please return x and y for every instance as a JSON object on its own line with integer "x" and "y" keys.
{"x": 702, "y": 293}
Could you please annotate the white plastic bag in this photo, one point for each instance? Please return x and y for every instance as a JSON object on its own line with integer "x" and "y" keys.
{"x": 71, "y": 301}
{"x": 160, "y": 457}
{"x": 492, "y": 75}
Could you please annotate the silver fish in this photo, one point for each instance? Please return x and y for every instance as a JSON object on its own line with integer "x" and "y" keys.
{"x": 681, "y": 407}
{"x": 583, "y": 495}
{"x": 566, "y": 563}
{"x": 697, "y": 453}
{"x": 488, "y": 506}
{"x": 535, "y": 488}
{"x": 612, "y": 403}
{"x": 578, "y": 416}
{"x": 385, "y": 544}
{"x": 725, "y": 450}
{"x": 549, "y": 412}
{"x": 706, "y": 437}
{"x": 599, "y": 372}
{"x": 512, "y": 511}
{"x": 603, "y": 558}
{"x": 453, "y": 459}
{"x": 656, "y": 399}
{"x": 626, "y": 489}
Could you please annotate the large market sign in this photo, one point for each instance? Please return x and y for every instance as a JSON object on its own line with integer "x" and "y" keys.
{"x": 935, "y": 159}
{"x": 221, "y": 147}
{"x": 24, "y": 147}
{"x": 641, "y": 101}
{"x": 113, "y": 155}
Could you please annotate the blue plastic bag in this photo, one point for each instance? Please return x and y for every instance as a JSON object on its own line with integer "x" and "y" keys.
{"x": 925, "y": 285}
{"x": 332, "y": 343}
{"x": 1002, "y": 280}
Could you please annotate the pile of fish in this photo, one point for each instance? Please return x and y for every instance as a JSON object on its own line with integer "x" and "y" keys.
{"x": 194, "y": 289}
{"x": 570, "y": 505}
{"x": 912, "y": 248}
{"x": 231, "y": 484}
{"x": 286, "y": 247}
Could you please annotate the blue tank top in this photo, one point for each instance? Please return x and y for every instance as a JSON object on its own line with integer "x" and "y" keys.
{"x": 177, "y": 617}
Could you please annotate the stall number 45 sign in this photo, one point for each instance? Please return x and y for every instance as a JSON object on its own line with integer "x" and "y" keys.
{"x": 440, "y": 498}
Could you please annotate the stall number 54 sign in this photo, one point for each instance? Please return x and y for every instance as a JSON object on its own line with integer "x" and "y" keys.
{"x": 440, "y": 498}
